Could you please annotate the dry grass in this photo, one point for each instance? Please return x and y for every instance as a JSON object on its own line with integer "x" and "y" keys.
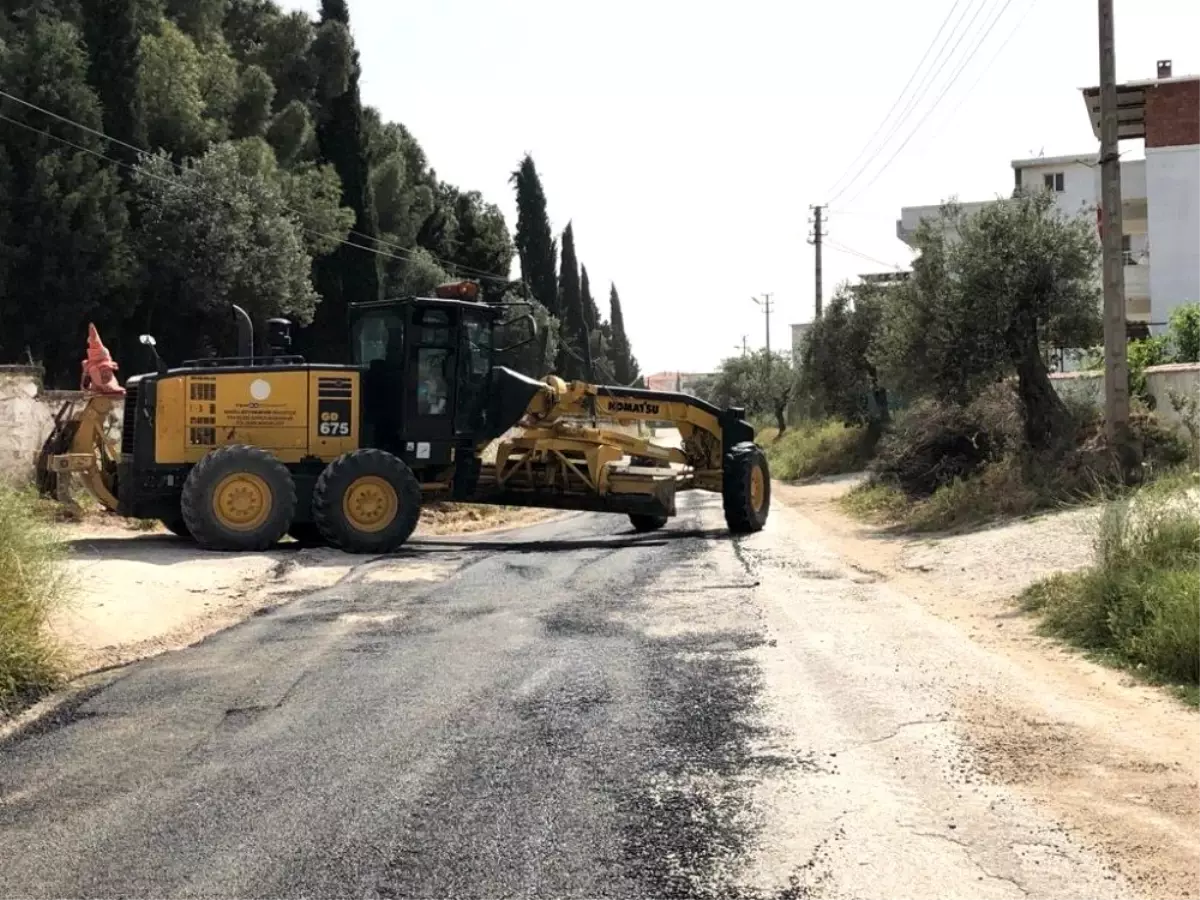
{"x": 464, "y": 518}
{"x": 30, "y": 588}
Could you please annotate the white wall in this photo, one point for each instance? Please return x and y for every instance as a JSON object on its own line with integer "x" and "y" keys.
{"x": 1161, "y": 381}
{"x": 26, "y": 419}
{"x": 1173, "y": 191}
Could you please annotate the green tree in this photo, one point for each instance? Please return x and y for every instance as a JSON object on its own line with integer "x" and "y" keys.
{"x": 572, "y": 358}
{"x": 112, "y": 30}
{"x": 598, "y": 331}
{"x": 352, "y": 273}
{"x": 252, "y": 111}
{"x": 764, "y": 384}
{"x": 536, "y": 247}
{"x": 1183, "y": 326}
{"x": 625, "y": 367}
{"x": 201, "y": 20}
{"x": 170, "y": 76}
{"x": 217, "y": 233}
{"x": 291, "y": 134}
{"x": 65, "y": 252}
{"x": 1019, "y": 277}
{"x": 837, "y": 374}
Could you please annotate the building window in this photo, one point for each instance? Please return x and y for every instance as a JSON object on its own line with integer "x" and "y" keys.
{"x": 1127, "y": 251}
{"x": 1054, "y": 182}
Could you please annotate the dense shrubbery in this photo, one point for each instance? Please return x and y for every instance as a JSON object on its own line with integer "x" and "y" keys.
{"x": 816, "y": 448}
{"x": 1140, "y": 601}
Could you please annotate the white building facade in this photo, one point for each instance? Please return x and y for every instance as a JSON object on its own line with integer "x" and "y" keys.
{"x": 1160, "y": 194}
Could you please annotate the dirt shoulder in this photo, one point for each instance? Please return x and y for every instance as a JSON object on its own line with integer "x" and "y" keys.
{"x": 136, "y": 593}
{"x": 1115, "y": 759}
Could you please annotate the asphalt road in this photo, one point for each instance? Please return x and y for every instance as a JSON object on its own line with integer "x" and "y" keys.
{"x": 566, "y": 710}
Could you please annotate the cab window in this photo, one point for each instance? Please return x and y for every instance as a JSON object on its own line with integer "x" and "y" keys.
{"x": 479, "y": 346}
{"x": 378, "y": 337}
{"x": 433, "y": 386}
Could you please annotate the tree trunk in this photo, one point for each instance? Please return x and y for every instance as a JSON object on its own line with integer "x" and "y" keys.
{"x": 1043, "y": 412}
{"x": 781, "y": 418}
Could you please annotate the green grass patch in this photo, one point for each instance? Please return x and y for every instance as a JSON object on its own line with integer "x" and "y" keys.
{"x": 813, "y": 449}
{"x": 30, "y": 588}
{"x": 1138, "y": 605}
{"x": 997, "y": 491}
{"x": 875, "y": 502}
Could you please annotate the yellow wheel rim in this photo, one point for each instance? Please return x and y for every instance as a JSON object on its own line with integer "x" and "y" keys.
{"x": 242, "y": 501}
{"x": 370, "y": 504}
{"x": 758, "y": 488}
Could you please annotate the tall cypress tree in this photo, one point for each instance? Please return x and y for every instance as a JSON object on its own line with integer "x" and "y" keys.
{"x": 535, "y": 242}
{"x": 572, "y": 356}
{"x": 624, "y": 365}
{"x": 591, "y": 312}
{"x": 112, "y": 30}
{"x": 352, "y": 273}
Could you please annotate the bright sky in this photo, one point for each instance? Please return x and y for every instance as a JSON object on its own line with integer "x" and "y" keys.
{"x": 687, "y": 140}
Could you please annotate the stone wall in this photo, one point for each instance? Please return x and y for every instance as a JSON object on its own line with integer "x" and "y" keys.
{"x": 1161, "y": 381}
{"x": 26, "y": 419}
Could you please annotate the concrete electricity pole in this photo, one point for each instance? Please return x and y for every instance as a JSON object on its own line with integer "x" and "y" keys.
{"x": 1116, "y": 364}
{"x": 765, "y": 303}
{"x": 745, "y": 349}
{"x": 815, "y": 239}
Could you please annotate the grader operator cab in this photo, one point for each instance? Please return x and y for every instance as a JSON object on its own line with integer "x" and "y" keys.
{"x": 237, "y": 452}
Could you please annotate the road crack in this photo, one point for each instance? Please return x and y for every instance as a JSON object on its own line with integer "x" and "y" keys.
{"x": 894, "y": 733}
{"x": 969, "y": 853}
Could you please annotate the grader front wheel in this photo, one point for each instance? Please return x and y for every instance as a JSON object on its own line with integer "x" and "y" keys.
{"x": 238, "y": 498}
{"x": 746, "y": 489}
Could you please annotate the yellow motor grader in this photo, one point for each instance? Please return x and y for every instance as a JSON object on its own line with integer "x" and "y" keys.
{"x": 239, "y": 451}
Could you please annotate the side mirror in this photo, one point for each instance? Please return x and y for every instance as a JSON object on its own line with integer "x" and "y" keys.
{"x": 532, "y": 332}
{"x": 147, "y": 340}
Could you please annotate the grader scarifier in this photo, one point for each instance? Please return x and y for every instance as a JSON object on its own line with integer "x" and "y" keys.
{"x": 237, "y": 452}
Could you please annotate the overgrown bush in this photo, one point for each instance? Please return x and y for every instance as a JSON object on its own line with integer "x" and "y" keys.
{"x": 933, "y": 444}
{"x": 1140, "y": 601}
{"x": 946, "y": 467}
{"x": 30, "y": 588}
{"x": 817, "y": 448}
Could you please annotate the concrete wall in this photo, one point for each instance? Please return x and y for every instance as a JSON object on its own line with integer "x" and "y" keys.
{"x": 25, "y": 420}
{"x": 1183, "y": 378}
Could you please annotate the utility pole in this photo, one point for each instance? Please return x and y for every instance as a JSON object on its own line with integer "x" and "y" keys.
{"x": 745, "y": 349}
{"x": 765, "y": 304}
{"x": 1116, "y": 364}
{"x": 815, "y": 239}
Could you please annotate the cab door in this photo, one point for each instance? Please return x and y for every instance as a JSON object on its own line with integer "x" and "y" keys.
{"x": 430, "y": 395}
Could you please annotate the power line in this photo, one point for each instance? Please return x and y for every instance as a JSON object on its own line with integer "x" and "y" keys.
{"x": 406, "y": 253}
{"x": 895, "y": 104}
{"x": 949, "y": 84}
{"x": 842, "y": 248}
{"x": 988, "y": 65}
{"x": 923, "y": 89}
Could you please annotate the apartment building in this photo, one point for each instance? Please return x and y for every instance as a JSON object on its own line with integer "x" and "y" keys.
{"x": 1160, "y": 194}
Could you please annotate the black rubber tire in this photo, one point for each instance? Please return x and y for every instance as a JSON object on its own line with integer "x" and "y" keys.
{"x": 643, "y": 523}
{"x": 739, "y": 465}
{"x": 208, "y": 473}
{"x": 337, "y": 478}
{"x": 306, "y": 534}
{"x": 177, "y": 527}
